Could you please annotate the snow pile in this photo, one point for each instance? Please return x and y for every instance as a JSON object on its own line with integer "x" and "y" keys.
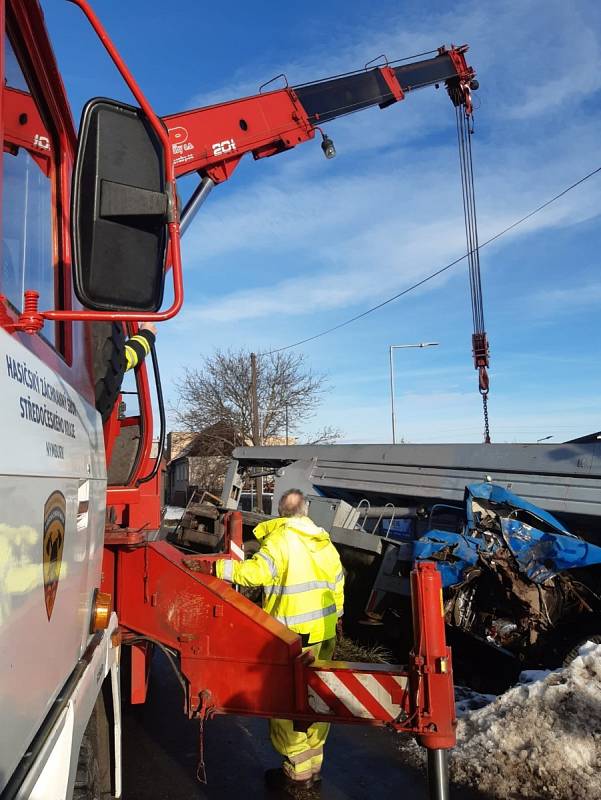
{"x": 467, "y": 700}
{"x": 173, "y": 512}
{"x": 541, "y": 739}
{"x": 533, "y": 675}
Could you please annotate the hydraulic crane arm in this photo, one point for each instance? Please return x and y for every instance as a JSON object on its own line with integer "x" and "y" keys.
{"x": 382, "y": 85}
{"x": 212, "y": 140}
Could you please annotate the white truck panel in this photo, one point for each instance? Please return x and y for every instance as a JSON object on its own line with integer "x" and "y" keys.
{"x": 52, "y": 514}
{"x": 51, "y": 775}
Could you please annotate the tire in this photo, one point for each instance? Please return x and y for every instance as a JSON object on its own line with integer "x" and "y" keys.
{"x": 573, "y": 652}
{"x": 93, "y": 778}
{"x": 87, "y": 781}
{"x": 108, "y": 360}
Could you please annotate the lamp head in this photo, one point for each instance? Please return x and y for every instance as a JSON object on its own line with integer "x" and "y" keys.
{"x": 327, "y": 145}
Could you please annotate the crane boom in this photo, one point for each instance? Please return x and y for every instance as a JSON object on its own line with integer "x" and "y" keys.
{"x": 212, "y": 140}
{"x": 326, "y": 100}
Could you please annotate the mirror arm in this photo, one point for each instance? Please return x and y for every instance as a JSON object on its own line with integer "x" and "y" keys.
{"x": 162, "y": 418}
{"x": 31, "y": 317}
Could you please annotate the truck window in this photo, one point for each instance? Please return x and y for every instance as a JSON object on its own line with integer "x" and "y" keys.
{"x": 13, "y": 74}
{"x": 27, "y": 217}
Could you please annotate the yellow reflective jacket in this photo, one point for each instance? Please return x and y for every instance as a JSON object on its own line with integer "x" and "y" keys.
{"x": 300, "y": 572}
{"x": 137, "y": 348}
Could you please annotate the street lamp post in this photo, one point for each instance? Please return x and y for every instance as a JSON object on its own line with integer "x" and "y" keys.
{"x": 391, "y": 349}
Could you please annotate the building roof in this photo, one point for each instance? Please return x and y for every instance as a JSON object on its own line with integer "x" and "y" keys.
{"x": 215, "y": 440}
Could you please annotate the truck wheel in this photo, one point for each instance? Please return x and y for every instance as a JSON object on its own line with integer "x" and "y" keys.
{"x": 93, "y": 779}
{"x": 86, "y": 782}
{"x": 573, "y": 652}
{"x": 108, "y": 359}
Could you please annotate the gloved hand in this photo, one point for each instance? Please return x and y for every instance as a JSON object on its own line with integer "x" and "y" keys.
{"x": 200, "y": 565}
{"x": 339, "y": 630}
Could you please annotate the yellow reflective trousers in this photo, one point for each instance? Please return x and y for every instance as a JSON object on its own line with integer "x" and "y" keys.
{"x": 303, "y": 752}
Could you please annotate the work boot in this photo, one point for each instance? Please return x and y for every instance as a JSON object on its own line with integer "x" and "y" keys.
{"x": 277, "y": 779}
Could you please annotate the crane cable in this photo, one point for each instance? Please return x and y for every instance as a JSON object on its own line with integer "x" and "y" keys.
{"x": 480, "y": 348}
{"x": 432, "y": 275}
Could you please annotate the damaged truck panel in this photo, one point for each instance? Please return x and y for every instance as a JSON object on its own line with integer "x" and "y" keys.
{"x": 540, "y": 553}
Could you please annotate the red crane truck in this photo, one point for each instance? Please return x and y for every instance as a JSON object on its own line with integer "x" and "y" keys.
{"x": 91, "y": 226}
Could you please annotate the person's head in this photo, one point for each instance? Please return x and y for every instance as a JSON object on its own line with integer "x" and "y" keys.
{"x": 292, "y": 504}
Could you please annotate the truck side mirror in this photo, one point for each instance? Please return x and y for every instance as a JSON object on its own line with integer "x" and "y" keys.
{"x": 120, "y": 209}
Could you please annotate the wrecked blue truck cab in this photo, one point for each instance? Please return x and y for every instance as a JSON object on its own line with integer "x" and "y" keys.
{"x": 514, "y": 576}
{"x": 542, "y": 546}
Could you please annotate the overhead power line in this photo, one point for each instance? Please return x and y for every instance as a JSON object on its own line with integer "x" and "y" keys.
{"x": 439, "y": 271}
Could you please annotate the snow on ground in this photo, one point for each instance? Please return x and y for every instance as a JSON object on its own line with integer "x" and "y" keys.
{"x": 467, "y": 700}
{"x": 541, "y": 739}
{"x": 173, "y": 512}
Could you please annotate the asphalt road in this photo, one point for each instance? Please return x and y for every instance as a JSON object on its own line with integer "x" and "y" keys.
{"x": 161, "y": 750}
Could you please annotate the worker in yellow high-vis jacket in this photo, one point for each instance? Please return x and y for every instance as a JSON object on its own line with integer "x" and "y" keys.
{"x": 303, "y": 587}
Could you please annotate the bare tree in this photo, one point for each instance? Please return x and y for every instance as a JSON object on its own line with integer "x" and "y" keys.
{"x": 326, "y": 435}
{"x": 217, "y": 397}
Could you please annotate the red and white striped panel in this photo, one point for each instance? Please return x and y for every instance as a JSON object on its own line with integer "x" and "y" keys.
{"x": 236, "y": 552}
{"x": 364, "y": 695}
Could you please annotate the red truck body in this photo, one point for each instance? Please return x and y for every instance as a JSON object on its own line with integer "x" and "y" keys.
{"x": 89, "y": 575}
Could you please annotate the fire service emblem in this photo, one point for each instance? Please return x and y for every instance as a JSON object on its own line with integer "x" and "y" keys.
{"x": 54, "y": 539}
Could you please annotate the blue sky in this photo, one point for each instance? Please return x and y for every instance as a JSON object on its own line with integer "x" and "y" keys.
{"x": 295, "y": 244}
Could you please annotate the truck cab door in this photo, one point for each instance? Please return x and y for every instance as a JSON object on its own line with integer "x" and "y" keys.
{"x": 52, "y": 468}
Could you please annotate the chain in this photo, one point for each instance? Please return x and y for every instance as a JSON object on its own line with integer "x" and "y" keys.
{"x": 486, "y": 423}
{"x": 204, "y": 711}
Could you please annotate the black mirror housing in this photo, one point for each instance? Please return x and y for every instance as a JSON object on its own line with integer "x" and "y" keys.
{"x": 119, "y": 210}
